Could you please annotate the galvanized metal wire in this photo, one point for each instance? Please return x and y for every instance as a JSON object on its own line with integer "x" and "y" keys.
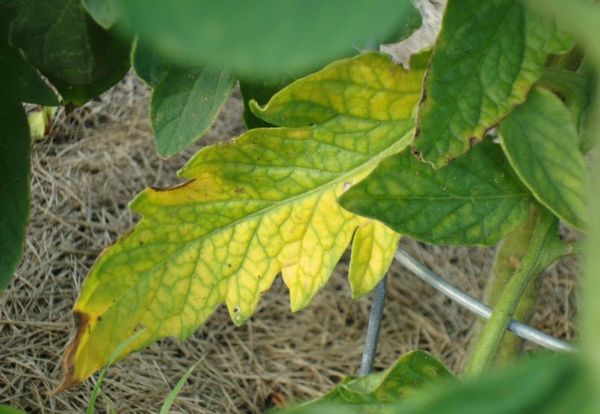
{"x": 472, "y": 304}
{"x": 464, "y": 299}
{"x": 372, "y": 337}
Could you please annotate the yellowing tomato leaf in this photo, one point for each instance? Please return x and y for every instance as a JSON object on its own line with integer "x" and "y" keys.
{"x": 261, "y": 204}
{"x": 487, "y": 57}
{"x": 540, "y": 140}
{"x": 372, "y": 252}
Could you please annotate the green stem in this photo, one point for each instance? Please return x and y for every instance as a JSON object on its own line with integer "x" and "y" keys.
{"x": 563, "y": 81}
{"x": 507, "y": 260}
{"x": 494, "y": 330}
{"x": 590, "y": 311}
{"x": 569, "y": 61}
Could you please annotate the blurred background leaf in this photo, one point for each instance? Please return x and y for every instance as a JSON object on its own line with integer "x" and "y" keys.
{"x": 105, "y": 12}
{"x": 15, "y": 146}
{"x": 16, "y": 73}
{"x": 78, "y": 57}
{"x": 264, "y": 38}
{"x": 148, "y": 65}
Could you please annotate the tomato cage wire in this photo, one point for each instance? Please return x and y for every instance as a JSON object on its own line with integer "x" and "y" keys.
{"x": 464, "y": 299}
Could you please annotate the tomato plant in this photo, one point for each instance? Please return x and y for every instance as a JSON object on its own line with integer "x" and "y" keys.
{"x": 481, "y": 140}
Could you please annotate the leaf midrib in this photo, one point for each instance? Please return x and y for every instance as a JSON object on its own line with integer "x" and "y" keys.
{"x": 449, "y": 117}
{"x": 487, "y": 197}
{"x": 394, "y": 148}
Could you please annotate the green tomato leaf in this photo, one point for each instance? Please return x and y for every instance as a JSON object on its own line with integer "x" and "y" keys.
{"x": 540, "y": 140}
{"x": 549, "y": 384}
{"x": 16, "y": 73}
{"x": 148, "y": 65}
{"x": 80, "y": 58}
{"x": 402, "y": 380}
{"x": 8, "y": 7}
{"x": 105, "y": 12}
{"x": 261, "y": 204}
{"x": 263, "y": 39}
{"x": 577, "y": 88}
{"x": 5, "y": 409}
{"x": 487, "y": 57}
{"x": 185, "y": 104}
{"x": 185, "y": 101}
{"x": 261, "y": 92}
{"x": 584, "y": 106}
{"x": 476, "y": 200}
{"x": 24, "y": 81}
{"x": 411, "y": 23}
{"x": 14, "y": 184}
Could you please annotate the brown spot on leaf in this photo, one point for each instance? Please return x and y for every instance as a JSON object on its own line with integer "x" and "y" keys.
{"x": 174, "y": 187}
{"x": 514, "y": 262}
{"x": 82, "y": 324}
{"x": 416, "y": 153}
{"x": 240, "y": 190}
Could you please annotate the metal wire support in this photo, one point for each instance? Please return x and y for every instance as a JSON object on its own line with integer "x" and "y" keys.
{"x": 472, "y": 304}
{"x": 372, "y": 338}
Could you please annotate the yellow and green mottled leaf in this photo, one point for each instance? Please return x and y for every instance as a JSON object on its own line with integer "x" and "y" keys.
{"x": 261, "y": 204}
{"x": 372, "y": 252}
{"x": 487, "y": 57}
